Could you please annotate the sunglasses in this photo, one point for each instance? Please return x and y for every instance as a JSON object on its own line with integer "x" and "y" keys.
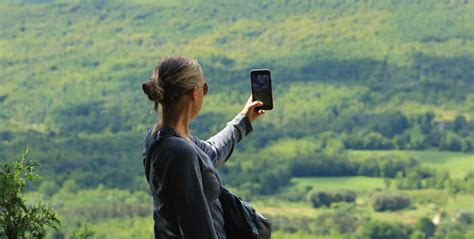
{"x": 205, "y": 88}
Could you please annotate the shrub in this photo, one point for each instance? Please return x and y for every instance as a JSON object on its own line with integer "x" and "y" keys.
{"x": 466, "y": 217}
{"x": 319, "y": 199}
{"x": 384, "y": 230}
{"x": 426, "y": 226}
{"x": 389, "y": 202}
{"x": 17, "y": 219}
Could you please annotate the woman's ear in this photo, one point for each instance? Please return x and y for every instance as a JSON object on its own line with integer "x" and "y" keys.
{"x": 194, "y": 94}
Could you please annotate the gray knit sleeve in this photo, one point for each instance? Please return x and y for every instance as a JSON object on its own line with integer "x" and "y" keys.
{"x": 220, "y": 146}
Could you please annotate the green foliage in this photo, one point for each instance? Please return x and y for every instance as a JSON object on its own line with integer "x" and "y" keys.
{"x": 70, "y": 186}
{"x": 395, "y": 130}
{"x": 454, "y": 165}
{"x": 347, "y": 75}
{"x": 247, "y": 173}
{"x": 320, "y": 199}
{"x": 384, "y": 201}
{"x": 455, "y": 235}
{"x": 426, "y": 226}
{"x": 48, "y": 187}
{"x": 411, "y": 181}
{"x": 466, "y": 217}
{"x": 384, "y": 230}
{"x": 385, "y": 166}
{"x": 451, "y": 142}
{"x": 83, "y": 232}
{"x": 450, "y": 231}
{"x": 342, "y": 221}
{"x": 98, "y": 210}
{"x": 17, "y": 218}
{"x": 374, "y": 74}
{"x": 465, "y": 185}
{"x": 460, "y": 123}
{"x": 417, "y": 235}
{"x": 322, "y": 165}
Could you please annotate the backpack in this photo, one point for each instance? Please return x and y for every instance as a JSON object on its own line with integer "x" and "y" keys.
{"x": 241, "y": 219}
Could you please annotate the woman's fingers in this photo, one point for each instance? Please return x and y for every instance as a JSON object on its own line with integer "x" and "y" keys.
{"x": 250, "y": 99}
{"x": 255, "y": 104}
{"x": 249, "y": 109}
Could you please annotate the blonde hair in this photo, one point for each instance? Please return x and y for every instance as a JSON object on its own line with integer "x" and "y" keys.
{"x": 172, "y": 77}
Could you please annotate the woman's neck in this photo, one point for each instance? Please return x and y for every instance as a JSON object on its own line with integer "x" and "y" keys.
{"x": 177, "y": 118}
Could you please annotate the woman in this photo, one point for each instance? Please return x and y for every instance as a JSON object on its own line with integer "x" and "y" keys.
{"x": 181, "y": 168}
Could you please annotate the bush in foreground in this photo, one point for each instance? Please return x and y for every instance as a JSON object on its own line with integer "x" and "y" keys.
{"x": 17, "y": 219}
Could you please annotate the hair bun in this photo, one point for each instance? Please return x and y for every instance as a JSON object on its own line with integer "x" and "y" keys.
{"x": 152, "y": 90}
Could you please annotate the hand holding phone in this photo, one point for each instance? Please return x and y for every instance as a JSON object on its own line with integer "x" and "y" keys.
{"x": 261, "y": 82}
{"x": 249, "y": 109}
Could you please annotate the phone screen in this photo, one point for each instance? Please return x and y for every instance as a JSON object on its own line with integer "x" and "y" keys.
{"x": 262, "y": 88}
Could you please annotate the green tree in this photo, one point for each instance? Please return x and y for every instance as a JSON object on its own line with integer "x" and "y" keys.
{"x": 426, "y": 226}
{"x": 401, "y": 141}
{"x": 425, "y": 122}
{"x": 48, "y": 187}
{"x": 319, "y": 199}
{"x": 383, "y": 201}
{"x": 390, "y": 124}
{"x": 17, "y": 219}
{"x": 83, "y": 232}
{"x": 449, "y": 230}
{"x": 384, "y": 230}
{"x": 451, "y": 142}
{"x": 417, "y": 235}
{"x": 70, "y": 186}
{"x": 459, "y": 123}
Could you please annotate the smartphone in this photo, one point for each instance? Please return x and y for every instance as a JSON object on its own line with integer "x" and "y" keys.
{"x": 261, "y": 82}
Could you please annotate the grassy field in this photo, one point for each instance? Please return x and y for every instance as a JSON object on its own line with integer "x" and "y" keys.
{"x": 136, "y": 227}
{"x": 283, "y": 235}
{"x": 358, "y": 184}
{"x": 274, "y": 205}
{"x": 426, "y": 202}
{"x": 458, "y": 164}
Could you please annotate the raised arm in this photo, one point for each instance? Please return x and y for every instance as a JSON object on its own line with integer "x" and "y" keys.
{"x": 220, "y": 146}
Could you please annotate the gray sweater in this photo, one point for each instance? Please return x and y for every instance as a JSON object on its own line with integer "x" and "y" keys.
{"x": 184, "y": 182}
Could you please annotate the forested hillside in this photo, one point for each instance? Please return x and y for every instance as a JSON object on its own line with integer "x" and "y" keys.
{"x": 347, "y": 75}
{"x": 372, "y": 128}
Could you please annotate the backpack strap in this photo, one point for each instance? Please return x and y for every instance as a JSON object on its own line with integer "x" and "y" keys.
{"x": 156, "y": 138}
{"x": 161, "y": 134}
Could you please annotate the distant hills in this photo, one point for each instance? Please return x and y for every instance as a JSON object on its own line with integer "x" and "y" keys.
{"x": 347, "y": 75}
